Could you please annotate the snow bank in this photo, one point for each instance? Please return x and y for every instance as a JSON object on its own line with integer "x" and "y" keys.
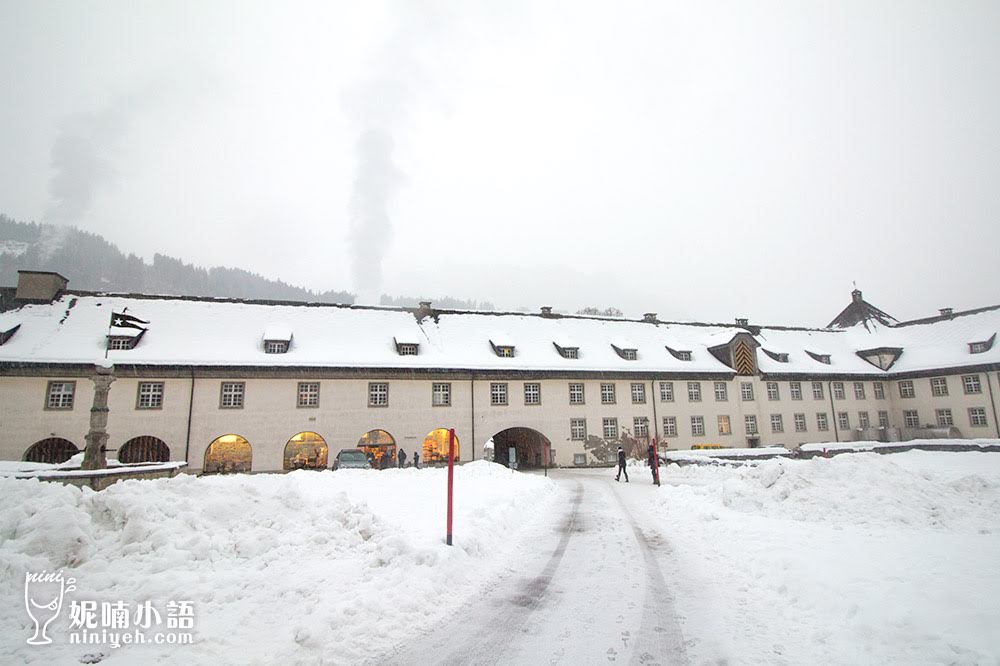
{"x": 299, "y": 567}
{"x": 916, "y": 443}
{"x": 846, "y": 560}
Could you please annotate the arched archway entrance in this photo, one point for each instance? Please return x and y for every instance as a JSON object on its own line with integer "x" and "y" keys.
{"x": 380, "y": 447}
{"x": 53, "y": 450}
{"x": 436, "y": 446}
{"x": 144, "y": 449}
{"x": 306, "y": 450}
{"x": 530, "y": 446}
{"x": 228, "y": 454}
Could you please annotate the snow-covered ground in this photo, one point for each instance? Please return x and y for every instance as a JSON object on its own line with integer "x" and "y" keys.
{"x": 855, "y": 559}
{"x": 860, "y": 559}
{"x": 305, "y": 567}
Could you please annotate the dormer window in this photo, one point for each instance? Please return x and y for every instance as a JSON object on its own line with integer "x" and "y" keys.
{"x": 276, "y": 346}
{"x": 503, "y": 345}
{"x": 571, "y": 352}
{"x": 625, "y": 349}
{"x": 566, "y": 347}
{"x": 8, "y": 334}
{"x": 407, "y": 349}
{"x": 881, "y": 357}
{"x": 123, "y": 341}
{"x": 629, "y": 354}
{"x": 407, "y": 343}
{"x": 983, "y": 346}
{"x": 679, "y": 354}
{"x": 822, "y": 358}
{"x": 780, "y": 357}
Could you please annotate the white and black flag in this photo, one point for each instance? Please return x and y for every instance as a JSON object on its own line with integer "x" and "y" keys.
{"x": 122, "y": 320}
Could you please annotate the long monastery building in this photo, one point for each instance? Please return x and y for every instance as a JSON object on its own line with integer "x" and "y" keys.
{"x": 232, "y": 385}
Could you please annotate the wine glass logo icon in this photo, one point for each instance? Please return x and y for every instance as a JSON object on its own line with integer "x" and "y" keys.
{"x": 43, "y": 599}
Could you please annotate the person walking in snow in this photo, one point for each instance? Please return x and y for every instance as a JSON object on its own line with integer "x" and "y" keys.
{"x": 416, "y": 459}
{"x": 401, "y": 458}
{"x": 621, "y": 465}
{"x": 654, "y": 464}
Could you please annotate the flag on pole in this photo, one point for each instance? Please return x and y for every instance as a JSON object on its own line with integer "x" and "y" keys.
{"x": 122, "y": 320}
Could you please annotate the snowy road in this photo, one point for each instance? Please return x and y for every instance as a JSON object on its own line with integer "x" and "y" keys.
{"x": 589, "y": 587}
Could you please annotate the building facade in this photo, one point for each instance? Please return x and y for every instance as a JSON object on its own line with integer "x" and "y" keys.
{"x": 232, "y": 385}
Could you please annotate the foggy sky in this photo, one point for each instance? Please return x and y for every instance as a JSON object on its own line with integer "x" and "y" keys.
{"x": 704, "y": 160}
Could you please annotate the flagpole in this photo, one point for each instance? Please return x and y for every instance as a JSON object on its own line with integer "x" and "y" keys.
{"x": 108, "y": 338}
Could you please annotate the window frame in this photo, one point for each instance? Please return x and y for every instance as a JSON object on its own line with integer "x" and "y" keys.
{"x": 609, "y": 424}
{"x": 139, "y": 395}
{"x": 724, "y": 419}
{"x": 750, "y": 424}
{"x": 670, "y": 426}
{"x": 777, "y": 423}
{"x": 973, "y": 413}
{"x": 536, "y": 390}
{"x": 299, "y": 393}
{"x": 799, "y": 419}
{"x": 909, "y": 422}
{"x": 374, "y": 392}
{"x": 746, "y": 392}
{"x": 72, "y": 395}
{"x": 638, "y": 398}
{"x": 721, "y": 390}
{"x": 939, "y": 387}
{"x": 697, "y": 426}
{"x": 583, "y": 393}
{"x": 666, "y": 391}
{"x": 242, "y": 395}
{"x": 818, "y": 391}
{"x": 795, "y": 390}
{"x": 575, "y": 423}
{"x": 496, "y": 389}
{"x": 609, "y": 394}
{"x": 440, "y": 389}
{"x": 972, "y": 385}
{"x": 837, "y": 388}
{"x": 694, "y": 391}
{"x": 859, "y": 391}
{"x": 906, "y": 389}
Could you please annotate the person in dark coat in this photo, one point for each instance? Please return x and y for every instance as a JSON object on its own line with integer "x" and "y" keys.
{"x": 416, "y": 459}
{"x": 621, "y": 465}
{"x": 654, "y": 463}
{"x": 401, "y": 458}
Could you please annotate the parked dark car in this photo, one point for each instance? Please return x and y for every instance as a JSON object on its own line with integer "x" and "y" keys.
{"x": 351, "y": 459}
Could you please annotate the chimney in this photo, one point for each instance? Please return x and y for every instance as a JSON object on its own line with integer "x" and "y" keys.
{"x": 650, "y": 317}
{"x": 947, "y": 312}
{"x": 39, "y": 286}
{"x": 425, "y": 309}
{"x": 856, "y": 296}
{"x": 742, "y": 322}
{"x": 546, "y": 310}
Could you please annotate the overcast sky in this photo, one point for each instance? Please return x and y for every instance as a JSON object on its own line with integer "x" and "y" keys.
{"x": 701, "y": 160}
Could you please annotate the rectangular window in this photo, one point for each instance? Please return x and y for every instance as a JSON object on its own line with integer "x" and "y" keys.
{"x": 906, "y": 389}
{"x": 697, "y": 426}
{"x": 838, "y": 390}
{"x": 800, "y": 423}
{"x": 971, "y": 384}
{"x": 150, "y": 395}
{"x": 817, "y": 390}
{"x": 822, "y": 424}
{"x": 638, "y": 393}
{"x": 578, "y": 429}
{"x": 308, "y": 394}
{"x": 666, "y": 391}
{"x": 944, "y": 418}
{"x": 441, "y": 394}
{"x": 498, "y": 393}
{"x": 571, "y": 352}
{"x": 863, "y": 420}
{"x": 772, "y": 391}
{"x": 725, "y": 428}
{"x": 59, "y": 395}
{"x": 532, "y": 393}
{"x": 275, "y": 346}
{"x": 694, "y": 391}
{"x": 843, "y": 421}
{"x": 120, "y": 343}
{"x": 505, "y": 352}
{"x": 977, "y": 417}
{"x": 750, "y": 423}
{"x": 746, "y": 390}
{"x": 407, "y": 349}
{"x": 721, "y": 392}
{"x": 576, "y": 394}
{"x": 795, "y": 388}
{"x": 939, "y": 386}
{"x": 879, "y": 389}
{"x": 378, "y": 394}
{"x": 610, "y": 428}
{"x": 640, "y": 426}
{"x": 883, "y": 419}
{"x": 777, "y": 423}
{"x": 607, "y": 394}
{"x": 232, "y": 395}
{"x": 910, "y": 418}
{"x": 669, "y": 426}
{"x": 859, "y": 390}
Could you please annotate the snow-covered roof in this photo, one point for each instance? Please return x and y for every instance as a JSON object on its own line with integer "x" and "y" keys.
{"x": 214, "y": 332}
{"x": 278, "y": 332}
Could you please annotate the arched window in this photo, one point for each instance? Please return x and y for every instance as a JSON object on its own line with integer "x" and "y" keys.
{"x": 144, "y": 449}
{"x": 306, "y": 450}
{"x": 227, "y": 454}
{"x": 436, "y": 446}
{"x": 380, "y": 448}
{"x": 53, "y": 450}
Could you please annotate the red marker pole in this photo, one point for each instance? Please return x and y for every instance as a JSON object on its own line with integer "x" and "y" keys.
{"x": 451, "y": 477}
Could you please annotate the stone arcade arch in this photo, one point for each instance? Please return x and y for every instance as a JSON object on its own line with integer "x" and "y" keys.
{"x": 144, "y": 449}
{"x": 53, "y": 450}
{"x": 380, "y": 446}
{"x": 531, "y": 447}
{"x": 228, "y": 454}
{"x": 306, "y": 450}
{"x": 436, "y": 447}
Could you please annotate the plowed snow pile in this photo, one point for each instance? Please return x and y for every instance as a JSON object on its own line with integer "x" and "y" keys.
{"x": 302, "y": 567}
{"x": 856, "y": 559}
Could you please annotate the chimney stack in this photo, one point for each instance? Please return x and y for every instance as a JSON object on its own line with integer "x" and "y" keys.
{"x": 546, "y": 310}
{"x": 947, "y": 312}
{"x": 742, "y": 322}
{"x": 856, "y": 296}
{"x": 650, "y": 317}
{"x": 39, "y": 286}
